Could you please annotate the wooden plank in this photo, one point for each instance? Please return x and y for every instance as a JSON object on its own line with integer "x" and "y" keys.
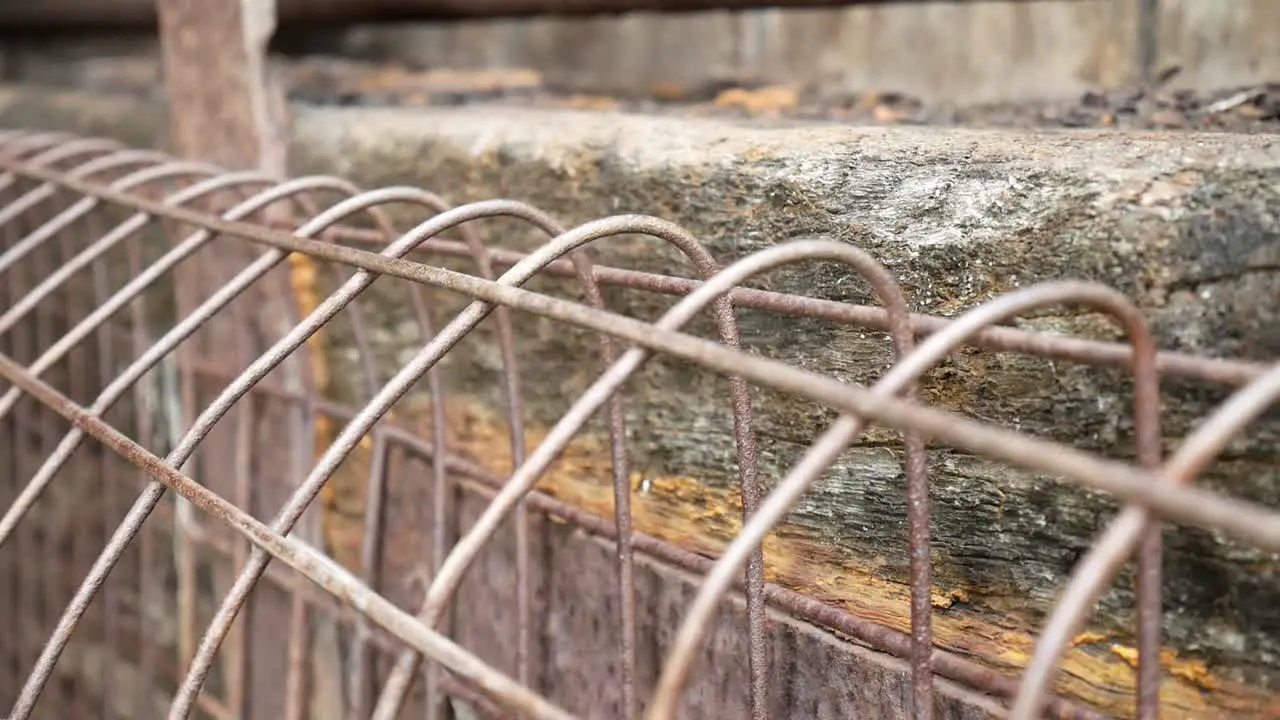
{"x": 226, "y": 108}
{"x": 1043, "y": 50}
{"x": 214, "y": 60}
{"x": 1219, "y": 44}
{"x": 63, "y": 14}
{"x": 960, "y": 216}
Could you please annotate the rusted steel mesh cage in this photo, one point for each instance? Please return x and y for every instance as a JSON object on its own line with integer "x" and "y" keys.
{"x": 193, "y": 524}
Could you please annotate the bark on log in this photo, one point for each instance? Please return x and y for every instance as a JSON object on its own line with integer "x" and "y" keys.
{"x": 1188, "y": 226}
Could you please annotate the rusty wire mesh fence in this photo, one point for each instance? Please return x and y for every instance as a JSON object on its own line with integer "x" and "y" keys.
{"x": 162, "y": 331}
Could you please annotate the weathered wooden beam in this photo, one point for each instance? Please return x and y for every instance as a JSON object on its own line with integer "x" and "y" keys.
{"x": 1183, "y": 224}
{"x": 121, "y": 14}
{"x": 227, "y": 110}
{"x": 959, "y": 216}
{"x": 222, "y": 107}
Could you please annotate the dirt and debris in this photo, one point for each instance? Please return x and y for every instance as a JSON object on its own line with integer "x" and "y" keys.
{"x": 331, "y": 80}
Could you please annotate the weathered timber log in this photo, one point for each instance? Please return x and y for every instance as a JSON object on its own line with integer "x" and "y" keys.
{"x": 1188, "y": 226}
{"x": 117, "y": 14}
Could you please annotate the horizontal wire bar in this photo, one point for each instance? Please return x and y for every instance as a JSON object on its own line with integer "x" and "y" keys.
{"x": 1053, "y": 347}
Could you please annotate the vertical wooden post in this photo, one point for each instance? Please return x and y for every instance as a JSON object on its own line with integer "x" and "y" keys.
{"x": 225, "y": 107}
{"x": 214, "y": 58}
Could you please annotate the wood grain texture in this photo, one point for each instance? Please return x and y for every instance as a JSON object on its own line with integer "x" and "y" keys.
{"x": 1183, "y": 226}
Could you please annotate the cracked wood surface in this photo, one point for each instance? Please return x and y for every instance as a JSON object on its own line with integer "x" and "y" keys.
{"x": 1188, "y": 226}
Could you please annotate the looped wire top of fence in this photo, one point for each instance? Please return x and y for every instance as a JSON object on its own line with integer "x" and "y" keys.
{"x": 107, "y": 235}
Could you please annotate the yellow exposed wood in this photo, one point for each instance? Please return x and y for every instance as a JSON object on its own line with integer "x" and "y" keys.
{"x": 304, "y": 285}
